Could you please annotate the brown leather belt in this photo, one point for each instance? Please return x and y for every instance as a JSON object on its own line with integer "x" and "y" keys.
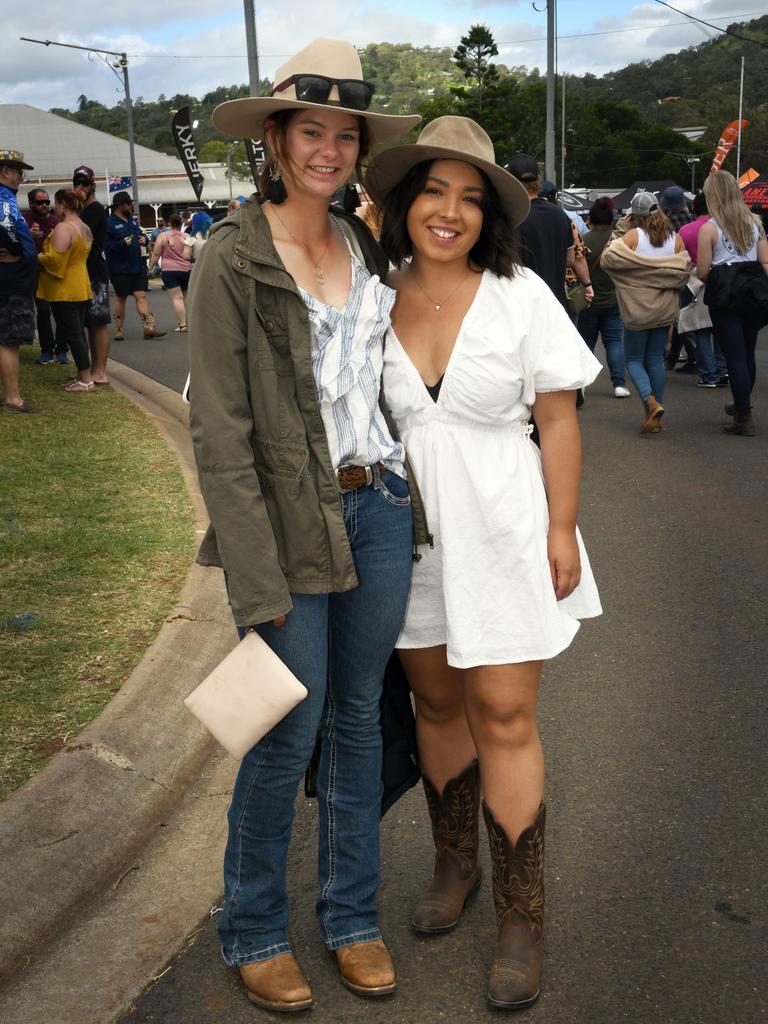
{"x": 352, "y": 477}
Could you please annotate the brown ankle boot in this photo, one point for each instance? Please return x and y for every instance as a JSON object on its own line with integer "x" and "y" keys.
{"x": 150, "y": 328}
{"x": 654, "y": 411}
{"x": 457, "y": 873}
{"x": 118, "y": 321}
{"x": 518, "y": 893}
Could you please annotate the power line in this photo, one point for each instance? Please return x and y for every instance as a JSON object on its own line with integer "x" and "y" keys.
{"x": 509, "y": 42}
{"x": 725, "y": 31}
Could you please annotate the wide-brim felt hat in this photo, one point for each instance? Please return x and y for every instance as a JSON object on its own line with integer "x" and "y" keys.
{"x": 448, "y": 138}
{"x": 14, "y": 157}
{"x": 331, "y": 58}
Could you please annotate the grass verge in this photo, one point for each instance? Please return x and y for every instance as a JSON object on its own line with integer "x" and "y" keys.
{"x": 96, "y": 537}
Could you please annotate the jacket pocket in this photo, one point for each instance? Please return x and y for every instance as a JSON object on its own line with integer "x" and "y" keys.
{"x": 298, "y": 525}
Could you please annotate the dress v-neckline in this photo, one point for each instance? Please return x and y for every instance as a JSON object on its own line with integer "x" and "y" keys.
{"x": 456, "y": 344}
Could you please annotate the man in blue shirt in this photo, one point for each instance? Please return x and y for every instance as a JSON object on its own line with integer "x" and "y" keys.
{"x": 18, "y": 281}
{"x": 127, "y": 269}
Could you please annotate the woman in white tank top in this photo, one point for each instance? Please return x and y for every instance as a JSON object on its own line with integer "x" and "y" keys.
{"x": 733, "y": 236}
{"x": 654, "y": 238}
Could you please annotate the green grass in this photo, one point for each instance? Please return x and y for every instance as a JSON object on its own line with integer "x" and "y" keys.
{"x": 96, "y": 537}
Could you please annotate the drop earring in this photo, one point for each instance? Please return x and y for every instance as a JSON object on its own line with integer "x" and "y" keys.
{"x": 276, "y": 188}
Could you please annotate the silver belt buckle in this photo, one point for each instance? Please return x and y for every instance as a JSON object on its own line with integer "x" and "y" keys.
{"x": 368, "y": 476}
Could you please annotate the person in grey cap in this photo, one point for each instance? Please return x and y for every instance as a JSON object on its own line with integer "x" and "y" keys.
{"x": 648, "y": 265}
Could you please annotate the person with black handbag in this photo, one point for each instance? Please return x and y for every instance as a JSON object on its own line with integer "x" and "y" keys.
{"x": 733, "y": 261}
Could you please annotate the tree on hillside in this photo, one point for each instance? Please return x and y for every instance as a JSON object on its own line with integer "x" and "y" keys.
{"x": 473, "y": 54}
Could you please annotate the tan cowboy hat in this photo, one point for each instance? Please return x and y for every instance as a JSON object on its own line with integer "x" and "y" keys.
{"x": 327, "y": 58}
{"x": 448, "y": 138}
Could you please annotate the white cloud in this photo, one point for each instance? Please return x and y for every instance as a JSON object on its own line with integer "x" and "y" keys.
{"x": 52, "y": 76}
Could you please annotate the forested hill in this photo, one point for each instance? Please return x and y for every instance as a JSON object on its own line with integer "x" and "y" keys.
{"x": 618, "y": 126}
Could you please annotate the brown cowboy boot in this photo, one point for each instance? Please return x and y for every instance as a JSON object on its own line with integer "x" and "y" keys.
{"x": 457, "y": 873}
{"x": 518, "y": 893}
{"x": 150, "y": 328}
{"x": 118, "y": 322}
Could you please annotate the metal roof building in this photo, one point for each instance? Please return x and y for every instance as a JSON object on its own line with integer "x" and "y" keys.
{"x": 55, "y": 146}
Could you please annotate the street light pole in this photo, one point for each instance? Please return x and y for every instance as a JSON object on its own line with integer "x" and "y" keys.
{"x": 123, "y": 64}
{"x": 131, "y": 147}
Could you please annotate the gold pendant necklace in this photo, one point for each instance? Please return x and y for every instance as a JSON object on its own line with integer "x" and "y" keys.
{"x": 317, "y": 269}
{"x": 439, "y": 305}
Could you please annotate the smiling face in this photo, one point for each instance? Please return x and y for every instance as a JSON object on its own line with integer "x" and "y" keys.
{"x": 445, "y": 219}
{"x": 319, "y": 151}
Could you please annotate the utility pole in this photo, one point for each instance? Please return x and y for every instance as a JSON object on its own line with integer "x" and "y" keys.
{"x": 252, "y": 48}
{"x": 122, "y": 63}
{"x": 562, "y": 144}
{"x": 741, "y": 109}
{"x": 549, "y": 138}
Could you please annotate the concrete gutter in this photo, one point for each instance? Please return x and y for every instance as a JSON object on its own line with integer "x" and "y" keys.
{"x": 78, "y": 825}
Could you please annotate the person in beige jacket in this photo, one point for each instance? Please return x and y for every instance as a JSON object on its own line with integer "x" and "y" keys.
{"x": 648, "y": 265}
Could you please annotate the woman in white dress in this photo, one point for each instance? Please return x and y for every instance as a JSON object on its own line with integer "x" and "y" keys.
{"x": 476, "y": 342}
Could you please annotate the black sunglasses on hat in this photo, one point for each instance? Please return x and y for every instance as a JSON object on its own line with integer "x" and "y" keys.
{"x": 353, "y": 93}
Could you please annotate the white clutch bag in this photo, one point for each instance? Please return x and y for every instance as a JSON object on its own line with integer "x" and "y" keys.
{"x": 247, "y": 694}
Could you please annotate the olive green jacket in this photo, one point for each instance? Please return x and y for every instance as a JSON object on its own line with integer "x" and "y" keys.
{"x": 262, "y": 456}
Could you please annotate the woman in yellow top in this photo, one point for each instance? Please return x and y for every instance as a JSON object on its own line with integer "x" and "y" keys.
{"x": 65, "y": 284}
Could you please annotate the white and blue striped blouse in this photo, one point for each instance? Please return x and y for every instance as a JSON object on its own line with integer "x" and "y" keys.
{"x": 347, "y": 360}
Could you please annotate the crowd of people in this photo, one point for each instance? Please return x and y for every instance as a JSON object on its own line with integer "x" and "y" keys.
{"x": 59, "y": 260}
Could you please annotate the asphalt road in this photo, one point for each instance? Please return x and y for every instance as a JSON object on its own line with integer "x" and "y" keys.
{"x": 654, "y": 726}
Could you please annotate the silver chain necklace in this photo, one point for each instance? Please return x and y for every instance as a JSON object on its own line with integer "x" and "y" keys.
{"x": 316, "y": 267}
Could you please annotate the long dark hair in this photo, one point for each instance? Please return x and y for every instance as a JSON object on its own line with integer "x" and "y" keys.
{"x": 495, "y": 249}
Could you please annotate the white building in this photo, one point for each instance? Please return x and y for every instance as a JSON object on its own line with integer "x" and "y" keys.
{"x": 55, "y": 146}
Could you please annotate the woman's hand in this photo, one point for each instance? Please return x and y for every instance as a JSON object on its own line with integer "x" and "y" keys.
{"x": 564, "y": 561}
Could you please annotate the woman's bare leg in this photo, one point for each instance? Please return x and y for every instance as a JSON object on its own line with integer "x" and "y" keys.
{"x": 501, "y": 710}
{"x": 442, "y": 731}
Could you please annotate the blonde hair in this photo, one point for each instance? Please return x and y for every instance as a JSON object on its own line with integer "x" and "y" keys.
{"x": 729, "y": 211}
{"x": 656, "y": 225}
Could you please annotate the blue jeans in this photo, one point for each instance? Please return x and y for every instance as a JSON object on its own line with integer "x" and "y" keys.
{"x": 644, "y": 353}
{"x": 736, "y": 333}
{"x": 338, "y": 645}
{"x": 607, "y": 323}
{"x": 710, "y": 361}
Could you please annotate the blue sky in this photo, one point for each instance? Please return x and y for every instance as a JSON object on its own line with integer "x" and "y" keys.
{"x": 179, "y": 46}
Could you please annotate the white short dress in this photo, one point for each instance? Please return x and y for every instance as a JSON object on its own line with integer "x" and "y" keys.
{"x": 485, "y": 588}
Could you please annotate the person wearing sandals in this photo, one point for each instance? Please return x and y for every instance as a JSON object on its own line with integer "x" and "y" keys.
{"x": 313, "y": 515}
{"x": 477, "y": 344}
{"x": 65, "y": 284}
{"x": 171, "y": 247}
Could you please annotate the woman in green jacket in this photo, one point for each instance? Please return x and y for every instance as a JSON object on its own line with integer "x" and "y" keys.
{"x": 311, "y": 514}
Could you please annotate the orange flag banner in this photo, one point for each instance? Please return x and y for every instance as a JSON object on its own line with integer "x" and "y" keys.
{"x": 748, "y": 177}
{"x": 726, "y": 143}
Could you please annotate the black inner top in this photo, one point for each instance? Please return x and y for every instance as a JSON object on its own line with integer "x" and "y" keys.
{"x": 434, "y": 389}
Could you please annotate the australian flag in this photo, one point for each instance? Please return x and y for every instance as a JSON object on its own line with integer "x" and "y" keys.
{"x": 118, "y": 184}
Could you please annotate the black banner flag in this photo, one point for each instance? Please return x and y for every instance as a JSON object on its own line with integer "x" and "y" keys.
{"x": 181, "y": 126}
{"x": 256, "y": 157}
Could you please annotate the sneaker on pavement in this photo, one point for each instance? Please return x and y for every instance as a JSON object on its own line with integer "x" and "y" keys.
{"x": 724, "y": 381}
{"x": 705, "y": 383}
{"x": 621, "y": 392}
